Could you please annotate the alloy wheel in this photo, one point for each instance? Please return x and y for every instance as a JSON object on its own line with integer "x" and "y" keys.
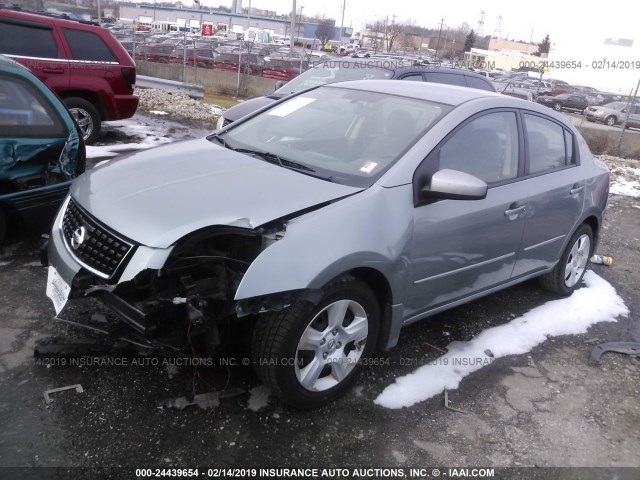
{"x": 577, "y": 260}
{"x": 331, "y": 345}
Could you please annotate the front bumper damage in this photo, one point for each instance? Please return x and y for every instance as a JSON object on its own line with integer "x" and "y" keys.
{"x": 172, "y": 294}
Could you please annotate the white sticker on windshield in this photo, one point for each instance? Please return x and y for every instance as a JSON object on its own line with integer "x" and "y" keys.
{"x": 368, "y": 167}
{"x": 290, "y": 106}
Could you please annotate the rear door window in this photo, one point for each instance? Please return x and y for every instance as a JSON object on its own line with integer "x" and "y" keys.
{"x": 88, "y": 46}
{"x": 546, "y": 144}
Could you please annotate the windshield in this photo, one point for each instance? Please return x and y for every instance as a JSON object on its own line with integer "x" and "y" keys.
{"x": 342, "y": 135}
{"x": 334, "y": 71}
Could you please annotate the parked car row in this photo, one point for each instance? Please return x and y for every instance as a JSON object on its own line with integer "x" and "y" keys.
{"x": 278, "y": 67}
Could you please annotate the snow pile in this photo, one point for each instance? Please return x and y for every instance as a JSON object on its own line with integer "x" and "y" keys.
{"x": 598, "y": 302}
{"x": 178, "y": 106}
{"x": 625, "y": 175}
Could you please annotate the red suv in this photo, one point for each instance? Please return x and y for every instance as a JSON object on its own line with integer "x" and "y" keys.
{"x": 83, "y": 63}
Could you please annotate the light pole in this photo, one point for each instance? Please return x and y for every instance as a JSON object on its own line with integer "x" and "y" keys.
{"x": 439, "y": 33}
{"x": 299, "y": 23}
{"x": 344, "y": 3}
{"x": 292, "y": 31}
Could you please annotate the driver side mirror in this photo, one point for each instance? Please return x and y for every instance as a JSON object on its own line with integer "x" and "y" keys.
{"x": 280, "y": 84}
{"x": 454, "y": 185}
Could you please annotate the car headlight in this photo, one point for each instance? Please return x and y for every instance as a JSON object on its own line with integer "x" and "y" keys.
{"x": 220, "y": 122}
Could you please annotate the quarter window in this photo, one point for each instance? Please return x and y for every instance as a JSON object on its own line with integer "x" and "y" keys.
{"x": 413, "y": 78}
{"x": 88, "y": 46}
{"x": 446, "y": 78}
{"x": 478, "y": 83}
{"x": 486, "y": 147}
{"x": 546, "y": 144}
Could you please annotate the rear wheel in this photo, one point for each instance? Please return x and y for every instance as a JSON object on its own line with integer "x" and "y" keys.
{"x": 309, "y": 355}
{"x": 86, "y": 116}
{"x": 568, "y": 273}
{"x": 610, "y": 120}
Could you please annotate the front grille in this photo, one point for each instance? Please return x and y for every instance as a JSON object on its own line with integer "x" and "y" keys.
{"x": 95, "y": 246}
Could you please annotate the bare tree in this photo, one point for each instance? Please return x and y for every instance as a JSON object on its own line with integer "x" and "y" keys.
{"x": 394, "y": 30}
{"x": 324, "y": 31}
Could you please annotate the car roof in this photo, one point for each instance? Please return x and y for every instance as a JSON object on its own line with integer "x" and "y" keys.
{"x": 434, "y": 92}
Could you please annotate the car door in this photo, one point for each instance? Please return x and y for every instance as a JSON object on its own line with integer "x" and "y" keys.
{"x": 461, "y": 247}
{"x": 576, "y": 102}
{"x": 32, "y": 136}
{"x": 36, "y": 46}
{"x": 555, "y": 190}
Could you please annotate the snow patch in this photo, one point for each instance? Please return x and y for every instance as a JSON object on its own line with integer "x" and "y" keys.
{"x": 33, "y": 264}
{"x": 259, "y": 398}
{"x": 628, "y": 188}
{"x": 598, "y": 302}
{"x": 146, "y": 138}
{"x": 158, "y": 112}
{"x": 625, "y": 175}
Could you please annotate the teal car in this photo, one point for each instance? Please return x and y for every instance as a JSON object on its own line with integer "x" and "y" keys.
{"x": 40, "y": 149}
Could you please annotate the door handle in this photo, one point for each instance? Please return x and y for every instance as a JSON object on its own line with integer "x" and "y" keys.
{"x": 52, "y": 70}
{"x": 577, "y": 189}
{"x": 515, "y": 211}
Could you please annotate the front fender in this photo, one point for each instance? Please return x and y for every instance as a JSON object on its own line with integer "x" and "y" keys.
{"x": 372, "y": 229}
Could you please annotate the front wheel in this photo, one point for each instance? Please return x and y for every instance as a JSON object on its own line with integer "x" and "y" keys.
{"x": 309, "y": 355}
{"x": 568, "y": 273}
{"x": 557, "y": 106}
{"x": 611, "y": 120}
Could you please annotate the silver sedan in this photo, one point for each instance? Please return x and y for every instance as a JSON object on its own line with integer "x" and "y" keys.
{"x": 323, "y": 224}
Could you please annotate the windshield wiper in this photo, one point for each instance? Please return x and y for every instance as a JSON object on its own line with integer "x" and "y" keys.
{"x": 273, "y": 158}
{"x": 220, "y": 140}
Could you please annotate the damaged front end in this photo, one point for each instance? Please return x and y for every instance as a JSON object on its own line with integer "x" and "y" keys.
{"x": 168, "y": 296}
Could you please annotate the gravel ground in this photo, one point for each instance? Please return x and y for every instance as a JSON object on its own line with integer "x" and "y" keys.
{"x": 176, "y": 106}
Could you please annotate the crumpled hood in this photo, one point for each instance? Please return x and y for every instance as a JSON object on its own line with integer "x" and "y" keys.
{"x": 158, "y": 196}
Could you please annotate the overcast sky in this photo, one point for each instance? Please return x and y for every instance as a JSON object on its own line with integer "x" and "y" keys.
{"x": 577, "y": 31}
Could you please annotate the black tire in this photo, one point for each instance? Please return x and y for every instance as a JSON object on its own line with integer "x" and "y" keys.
{"x": 555, "y": 280}
{"x": 86, "y": 116}
{"x": 557, "y": 106}
{"x": 277, "y": 335}
{"x": 3, "y": 227}
{"x": 610, "y": 120}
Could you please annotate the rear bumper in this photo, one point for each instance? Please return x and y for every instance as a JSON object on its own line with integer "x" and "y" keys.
{"x": 124, "y": 106}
